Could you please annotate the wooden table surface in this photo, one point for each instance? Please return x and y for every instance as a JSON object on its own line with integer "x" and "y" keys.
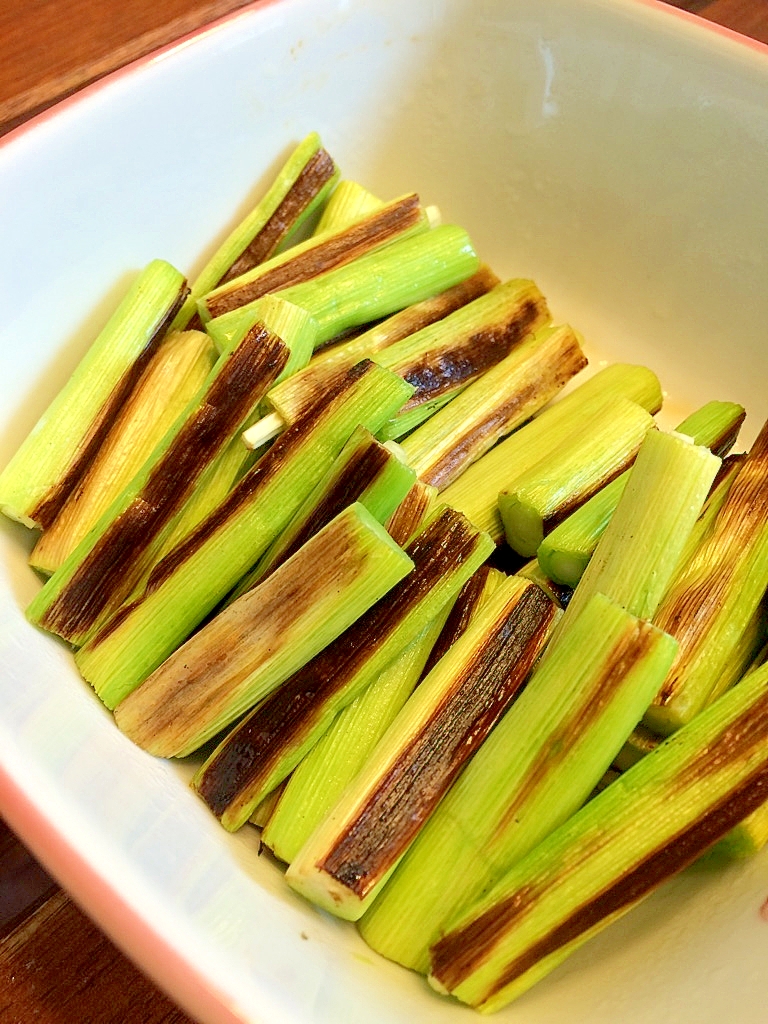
{"x": 55, "y": 966}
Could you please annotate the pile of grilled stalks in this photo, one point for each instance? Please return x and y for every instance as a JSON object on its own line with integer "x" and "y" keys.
{"x": 486, "y": 668}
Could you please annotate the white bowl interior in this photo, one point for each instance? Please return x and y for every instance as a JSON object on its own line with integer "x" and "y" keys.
{"x": 611, "y": 150}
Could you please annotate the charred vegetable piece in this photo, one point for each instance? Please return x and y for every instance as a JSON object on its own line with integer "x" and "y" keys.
{"x": 345, "y": 862}
{"x": 476, "y": 491}
{"x": 318, "y": 255}
{"x": 382, "y": 282}
{"x": 273, "y": 739}
{"x": 292, "y": 397}
{"x": 57, "y": 452}
{"x": 114, "y": 557}
{"x": 540, "y": 497}
{"x": 412, "y": 511}
{"x": 365, "y": 471}
{"x": 318, "y": 782}
{"x": 320, "y": 778}
{"x": 641, "y": 548}
{"x": 565, "y": 552}
{"x": 714, "y": 598}
{"x": 301, "y": 185}
{"x": 193, "y": 578}
{"x": 503, "y": 398}
{"x": 648, "y": 825}
{"x": 443, "y": 358}
{"x": 256, "y": 643}
{"x": 537, "y": 767}
{"x": 173, "y": 376}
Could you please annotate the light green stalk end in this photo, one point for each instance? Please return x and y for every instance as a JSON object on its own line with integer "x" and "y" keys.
{"x": 567, "y": 477}
{"x": 641, "y": 548}
{"x": 349, "y": 203}
{"x": 70, "y": 427}
{"x": 476, "y": 491}
{"x": 566, "y": 551}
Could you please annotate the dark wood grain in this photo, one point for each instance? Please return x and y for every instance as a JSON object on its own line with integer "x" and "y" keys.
{"x": 51, "y": 48}
{"x": 55, "y": 966}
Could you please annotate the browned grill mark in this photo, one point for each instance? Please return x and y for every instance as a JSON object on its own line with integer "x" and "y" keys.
{"x": 338, "y": 250}
{"x": 359, "y": 473}
{"x": 115, "y": 564}
{"x": 578, "y": 497}
{"x": 413, "y": 786}
{"x": 309, "y": 382}
{"x": 279, "y": 723}
{"x": 469, "y": 355}
{"x": 629, "y": 649}
{"x": 456, "y": 955}
{"x": 246, "y": 490}
{"x": 52, "y": 503}
{"x": 315, "y": 174}
{"x": 526, "y": 400}
{"x": 459, "y": 617}
{"x": 680, "y": 851}
{"x": 697, "y": 598}
{"x": 427, "y": 312}
{"x": 409, "y": 514}
{"x": 737, "y": 741}
{"x": 202, "y": 670}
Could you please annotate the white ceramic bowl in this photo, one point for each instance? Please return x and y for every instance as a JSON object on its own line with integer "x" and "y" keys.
{"x": 613, "y": 150}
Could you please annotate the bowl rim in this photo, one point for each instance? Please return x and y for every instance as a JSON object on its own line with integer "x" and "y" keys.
{"x": 101, "y": 899}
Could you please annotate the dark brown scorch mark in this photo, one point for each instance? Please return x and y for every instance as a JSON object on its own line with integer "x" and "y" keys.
{"x": 393, "y": 815}
{"x": 246, "y": 490}
{"x": 409, "y": 514}
{"x": 528, "y": 399}
{"x": 459, "y": 617}
{"x": 315, "y": 174}
{"x": 468, "y": 355}
{"x": 629, "y": 650}
{"x": 422, "y": 314}
{"x": 116, "y": 562}
{"x": 356, "y": 240}
{"x": 681, "y": 851}
{"x": 696, "y": 600}
{"x": 359, "y": 473}
{"x": 195, "y": 683}
{"x": 460, "y": 952}
{"x": 52, "y": 503}
{"x": 256, "y": 746}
